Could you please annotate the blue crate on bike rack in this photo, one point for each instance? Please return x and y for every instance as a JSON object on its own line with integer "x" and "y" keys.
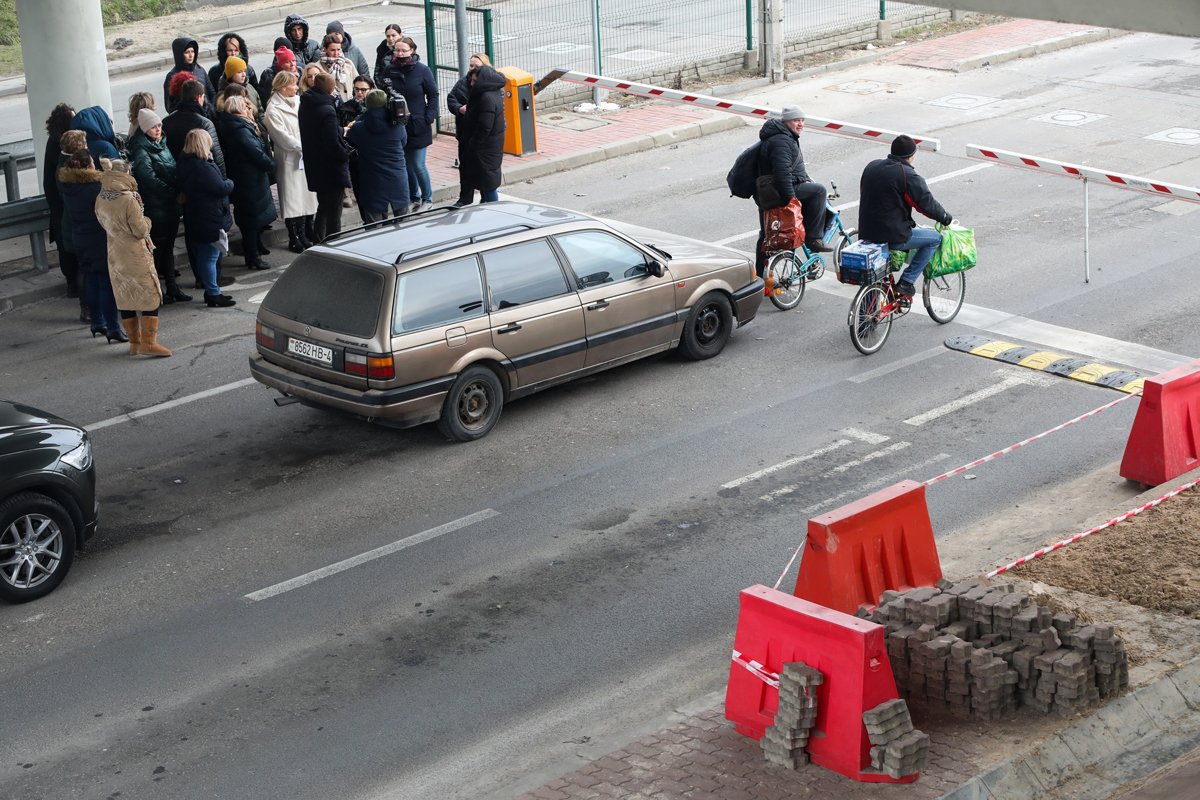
{"x": 863, "y": 263}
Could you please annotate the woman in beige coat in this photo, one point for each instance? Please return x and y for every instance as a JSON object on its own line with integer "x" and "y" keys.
{"x": 130, "y": 258}
{"x": 296, "y": 203}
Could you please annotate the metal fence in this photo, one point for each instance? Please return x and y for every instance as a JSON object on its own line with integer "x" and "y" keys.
{"x": 634, "y": 38}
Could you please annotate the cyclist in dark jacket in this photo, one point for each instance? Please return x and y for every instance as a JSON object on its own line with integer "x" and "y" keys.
{"x": 781, "y": 155}
{"x": 889, "y": 191}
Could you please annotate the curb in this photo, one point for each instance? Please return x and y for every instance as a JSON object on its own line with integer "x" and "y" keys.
{"x": 1048, "y": 46}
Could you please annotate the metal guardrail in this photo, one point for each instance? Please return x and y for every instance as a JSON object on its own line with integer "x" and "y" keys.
{"x": 30, "y": 216}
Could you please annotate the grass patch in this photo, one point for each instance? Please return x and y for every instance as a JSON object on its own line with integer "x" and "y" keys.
{"x": 113, "y": 12}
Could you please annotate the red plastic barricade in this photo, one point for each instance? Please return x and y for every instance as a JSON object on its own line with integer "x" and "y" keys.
{"x": 1164, "y": 441}
{"x": 775, "y": 628}
{"x": 883, "y": 541}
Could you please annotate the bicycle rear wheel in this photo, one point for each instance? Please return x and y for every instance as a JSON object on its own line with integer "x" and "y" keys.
{"x": 870, "y": 324}
{"x": 787, "y": 280}
{"x": 943, "y": 296}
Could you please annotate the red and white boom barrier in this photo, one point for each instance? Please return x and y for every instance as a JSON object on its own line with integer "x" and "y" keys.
{"x": 818, "y": 124}
{"x": 1063, "y": 169}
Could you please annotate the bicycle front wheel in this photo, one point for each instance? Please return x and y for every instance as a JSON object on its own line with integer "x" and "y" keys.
{"x": 787, "y": 280}
{"x": 943, "y": 296}
{"x": 870, "y": 322}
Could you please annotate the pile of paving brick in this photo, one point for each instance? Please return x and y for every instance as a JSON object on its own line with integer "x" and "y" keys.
{"x": 982, "y": 651}
{"x": 784, "y": 742}
{"x": 897, "y": 748}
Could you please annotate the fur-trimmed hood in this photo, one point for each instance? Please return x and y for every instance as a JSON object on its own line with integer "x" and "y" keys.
{"x": 78, "y": 175}
{"x": 114, "y": 182}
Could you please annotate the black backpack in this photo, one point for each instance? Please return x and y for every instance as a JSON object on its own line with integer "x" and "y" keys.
{"x": 744, "y": 172}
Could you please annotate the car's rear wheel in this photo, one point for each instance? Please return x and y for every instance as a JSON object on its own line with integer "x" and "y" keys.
{"x": 473, "y": 405}
{"x": 37, "y": 546}
{"x": 708, "y": 327}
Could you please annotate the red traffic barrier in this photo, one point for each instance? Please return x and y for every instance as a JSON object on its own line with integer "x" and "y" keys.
{"x": 854, "y": 553}
{"x": 1164, "y": 441}
{"x": 775, "y": 628}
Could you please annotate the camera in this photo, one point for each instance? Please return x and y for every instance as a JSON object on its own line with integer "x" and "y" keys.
{"x": 397, "y": 106}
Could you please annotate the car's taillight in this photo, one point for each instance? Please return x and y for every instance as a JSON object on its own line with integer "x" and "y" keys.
{"x": 380, "y": 368}
{"x": 264, "y": 335}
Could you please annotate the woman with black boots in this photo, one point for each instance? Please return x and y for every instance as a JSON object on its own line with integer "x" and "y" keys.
{"x": 154, "y": 170}
{"x": 282, "y": 121}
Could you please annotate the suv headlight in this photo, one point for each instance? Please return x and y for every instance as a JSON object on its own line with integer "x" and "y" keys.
{"x": 81, "y": 457}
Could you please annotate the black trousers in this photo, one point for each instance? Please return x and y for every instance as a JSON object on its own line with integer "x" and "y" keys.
{"x": 813, "y": 200}
{"x": 329, "y": 214}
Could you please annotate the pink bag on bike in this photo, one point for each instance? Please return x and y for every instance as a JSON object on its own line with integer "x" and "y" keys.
{"x": 784, "y": 227}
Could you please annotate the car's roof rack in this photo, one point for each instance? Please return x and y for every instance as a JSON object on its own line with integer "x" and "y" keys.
{"x": 450, "y": 244}
{"x": 366, "y": 226}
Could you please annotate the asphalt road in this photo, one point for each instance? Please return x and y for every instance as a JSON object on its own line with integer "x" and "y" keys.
{"x": 585, "y": 585}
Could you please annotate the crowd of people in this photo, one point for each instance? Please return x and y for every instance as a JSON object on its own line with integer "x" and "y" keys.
{"x": 318, "y": 121}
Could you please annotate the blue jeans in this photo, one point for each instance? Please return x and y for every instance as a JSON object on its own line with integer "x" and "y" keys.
{"x": 420, "y": 189}
{"x": 205, "y": 266}
{"x": 924, "y": 241}
{"x": 489, "y": 197}
{"x": 101, "y": 304}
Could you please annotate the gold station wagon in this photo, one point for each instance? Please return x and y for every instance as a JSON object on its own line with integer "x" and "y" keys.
{"x": 450, "y": 313}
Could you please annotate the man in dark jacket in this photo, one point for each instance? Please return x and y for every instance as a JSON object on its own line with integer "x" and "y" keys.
{"x": 188, "y": 115}
{"x": 888, "y": 192}
{"x": 781, "y": 157}
{"x": 231, "y": 44}
{"x": 295, "y": 28}
{"x": 350, "y": 51}
{"x": 383, "y": 177}
{"x": 186, "y": 51}
{"x": 326, "y": 154}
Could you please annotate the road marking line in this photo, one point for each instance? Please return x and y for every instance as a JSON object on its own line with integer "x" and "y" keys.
{"x": 865, "y": 436}
{"x": 854, "y": 203}
{"x": 898, "y": 364}
{"x": 974, "y": 397}
{"x": 179, "y": 401}
{"x": 840, "y": 468}
{"x": 753, "y": 476}
{"x": 371, "y": 555}
{"x": 881, "y": 481}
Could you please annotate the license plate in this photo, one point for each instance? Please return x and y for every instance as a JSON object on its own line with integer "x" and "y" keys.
{"x": 310, "y": 350}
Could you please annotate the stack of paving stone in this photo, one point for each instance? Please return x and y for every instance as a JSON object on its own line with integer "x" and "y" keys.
{"x": 982, "y": 651}
{"x": 784, "y": 742}
{"x": 896, "y": 747}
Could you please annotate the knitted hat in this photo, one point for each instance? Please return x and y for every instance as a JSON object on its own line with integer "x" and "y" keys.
{"x": 147, "y": 119}
{"x": 234, "y": 65}
{"x": 283, "y": 55}
{"x": 903, "y": 146}
{"x": 791, "y": 112}
{"x": 376, "y": 98}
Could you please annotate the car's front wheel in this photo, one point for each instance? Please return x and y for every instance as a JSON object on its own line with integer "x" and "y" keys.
{"x": 473, "y": 405}
{"x": 37, "y": 546}
{"x": 708, "y": 327}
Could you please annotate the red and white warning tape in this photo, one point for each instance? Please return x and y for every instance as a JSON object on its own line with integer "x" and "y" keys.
{"x": 756, "y": 669}
{"x": 817, "y": 124}
{"x": 1024, "y": 442}
{"x": 1062, "y": 168}
{"x": 1059, "y": 545}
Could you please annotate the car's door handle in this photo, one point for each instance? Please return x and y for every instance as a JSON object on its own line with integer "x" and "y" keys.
{"x": 511, "y": 327}
{"x": 598, "y": 305}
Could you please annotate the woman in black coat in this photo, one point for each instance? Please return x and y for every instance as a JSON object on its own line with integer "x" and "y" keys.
{"x": 58, "y": 123}
{"x": 326, "y": 154}
{"x": 383, "y": 52}
{"x": 79, "y": 183}
{"x": 415, "y": 81}
{"x": 249, "y": 166}
{"x": 481, "y": 149}
{"x": 206, "y": 216}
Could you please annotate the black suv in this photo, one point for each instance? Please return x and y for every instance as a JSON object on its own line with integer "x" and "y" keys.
{"x": 48, "y": 505}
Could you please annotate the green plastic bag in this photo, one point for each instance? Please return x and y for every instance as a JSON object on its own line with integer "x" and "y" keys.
{"x": 956, "y": 252}
{"x": 897, "y": 259}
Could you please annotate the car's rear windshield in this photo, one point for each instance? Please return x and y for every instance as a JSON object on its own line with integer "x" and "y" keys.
{"x": 328, "y": 294}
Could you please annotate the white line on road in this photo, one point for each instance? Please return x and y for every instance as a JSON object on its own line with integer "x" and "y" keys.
{"x": 858, "y": 491}
{"x": 840, "y": 468}
{"x": 865, "y": 436}
{"x": 974, "y": 397}
{"x": 371, "y": 555}
{"x": 179, "y": 401}
{"x": 753, "y": 476}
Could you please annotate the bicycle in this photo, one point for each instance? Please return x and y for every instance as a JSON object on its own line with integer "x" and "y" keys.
{"x": 878, "y": 303}
{"x": 788, "y": 271}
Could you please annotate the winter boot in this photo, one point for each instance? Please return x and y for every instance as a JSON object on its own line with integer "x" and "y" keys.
{"x": 295, "y": 229}
{"x": 133, "y": 331}
{"x": 149, "y": 336}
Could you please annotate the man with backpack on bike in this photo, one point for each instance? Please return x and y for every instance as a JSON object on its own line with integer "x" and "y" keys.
{"x": 888, "y": 192}
{"x": 781, "y": 158}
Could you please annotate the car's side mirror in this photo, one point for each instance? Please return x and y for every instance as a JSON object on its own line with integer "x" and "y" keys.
{"x": 656, "y": 268}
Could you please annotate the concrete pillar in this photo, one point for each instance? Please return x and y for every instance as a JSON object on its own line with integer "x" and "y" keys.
{"x": 884, "y": 31}
{"x": 773, "y": 41}
{"x": 62, "y": 43}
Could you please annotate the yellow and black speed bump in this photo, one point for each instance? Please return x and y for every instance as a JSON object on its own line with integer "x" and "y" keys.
{"x": 1074, "y": 367}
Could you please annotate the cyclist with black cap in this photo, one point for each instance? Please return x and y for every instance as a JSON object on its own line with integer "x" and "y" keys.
{"x": 888, "y": 192}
